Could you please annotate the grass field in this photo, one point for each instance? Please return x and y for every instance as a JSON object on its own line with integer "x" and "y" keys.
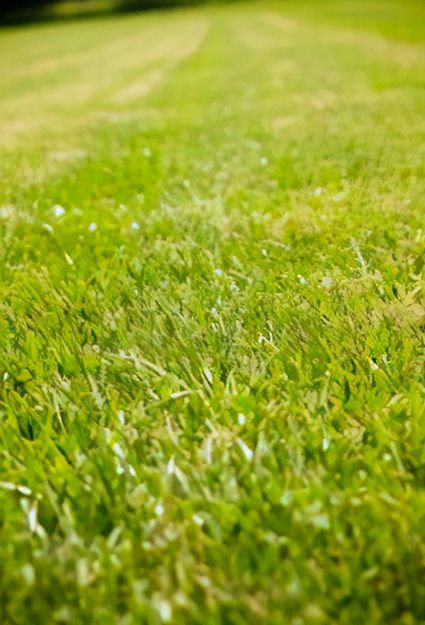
{"x": 212, "y": 405}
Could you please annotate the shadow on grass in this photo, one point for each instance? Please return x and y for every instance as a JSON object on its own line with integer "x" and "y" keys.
{"x": 14, "y": 14}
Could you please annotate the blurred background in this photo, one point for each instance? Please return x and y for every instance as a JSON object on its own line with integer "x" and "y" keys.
{"x": 403, "y": 19}
{"x": 15, "y": 11}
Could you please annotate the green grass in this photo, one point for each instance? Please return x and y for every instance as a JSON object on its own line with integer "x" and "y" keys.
{"x": 212, "y": 350}
{"x": 395, "y": 19}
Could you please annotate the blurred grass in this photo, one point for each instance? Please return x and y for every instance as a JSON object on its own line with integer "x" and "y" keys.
{"x": 73, "y": 8}
{"x": 212, "y": 315}
{"x": 402, "y": 21}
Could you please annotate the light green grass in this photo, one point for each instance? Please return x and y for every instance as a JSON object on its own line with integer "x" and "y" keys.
{"x": 212, "y": 405}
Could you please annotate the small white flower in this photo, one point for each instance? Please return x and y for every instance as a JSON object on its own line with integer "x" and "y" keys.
{"x": 241, "y": 419}
{"x": 325, "y": 444}
{"x": 159, "y": 510}
{"x": 58, "y": 210}
{"x": 118, "y": 450}
{"x": 213, "y": 310}
{"x": 120, "y": 469}
{"x": 8, "y": 485}
{"x": 218, "y": 272}
{"x": 135, "y": 225}
{"x": 92, "y": 227}
{"x": 121, "y": 416}
{"x": 302, "y": 279}
{"x": 198, "y": 520}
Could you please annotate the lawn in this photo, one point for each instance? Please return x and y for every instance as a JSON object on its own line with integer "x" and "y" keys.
{"x": 212, "y": 396}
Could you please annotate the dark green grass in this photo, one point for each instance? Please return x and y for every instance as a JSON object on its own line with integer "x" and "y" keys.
{"x": 212, "y": 396}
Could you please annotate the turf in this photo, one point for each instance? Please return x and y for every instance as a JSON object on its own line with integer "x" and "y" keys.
{"x": 212, "y": 314}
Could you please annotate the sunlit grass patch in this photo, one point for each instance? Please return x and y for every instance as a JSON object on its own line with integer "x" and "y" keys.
{"x": 212, "y": 356}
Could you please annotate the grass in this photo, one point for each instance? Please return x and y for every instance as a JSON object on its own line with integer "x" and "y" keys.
{"x": 212, "y": 314}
